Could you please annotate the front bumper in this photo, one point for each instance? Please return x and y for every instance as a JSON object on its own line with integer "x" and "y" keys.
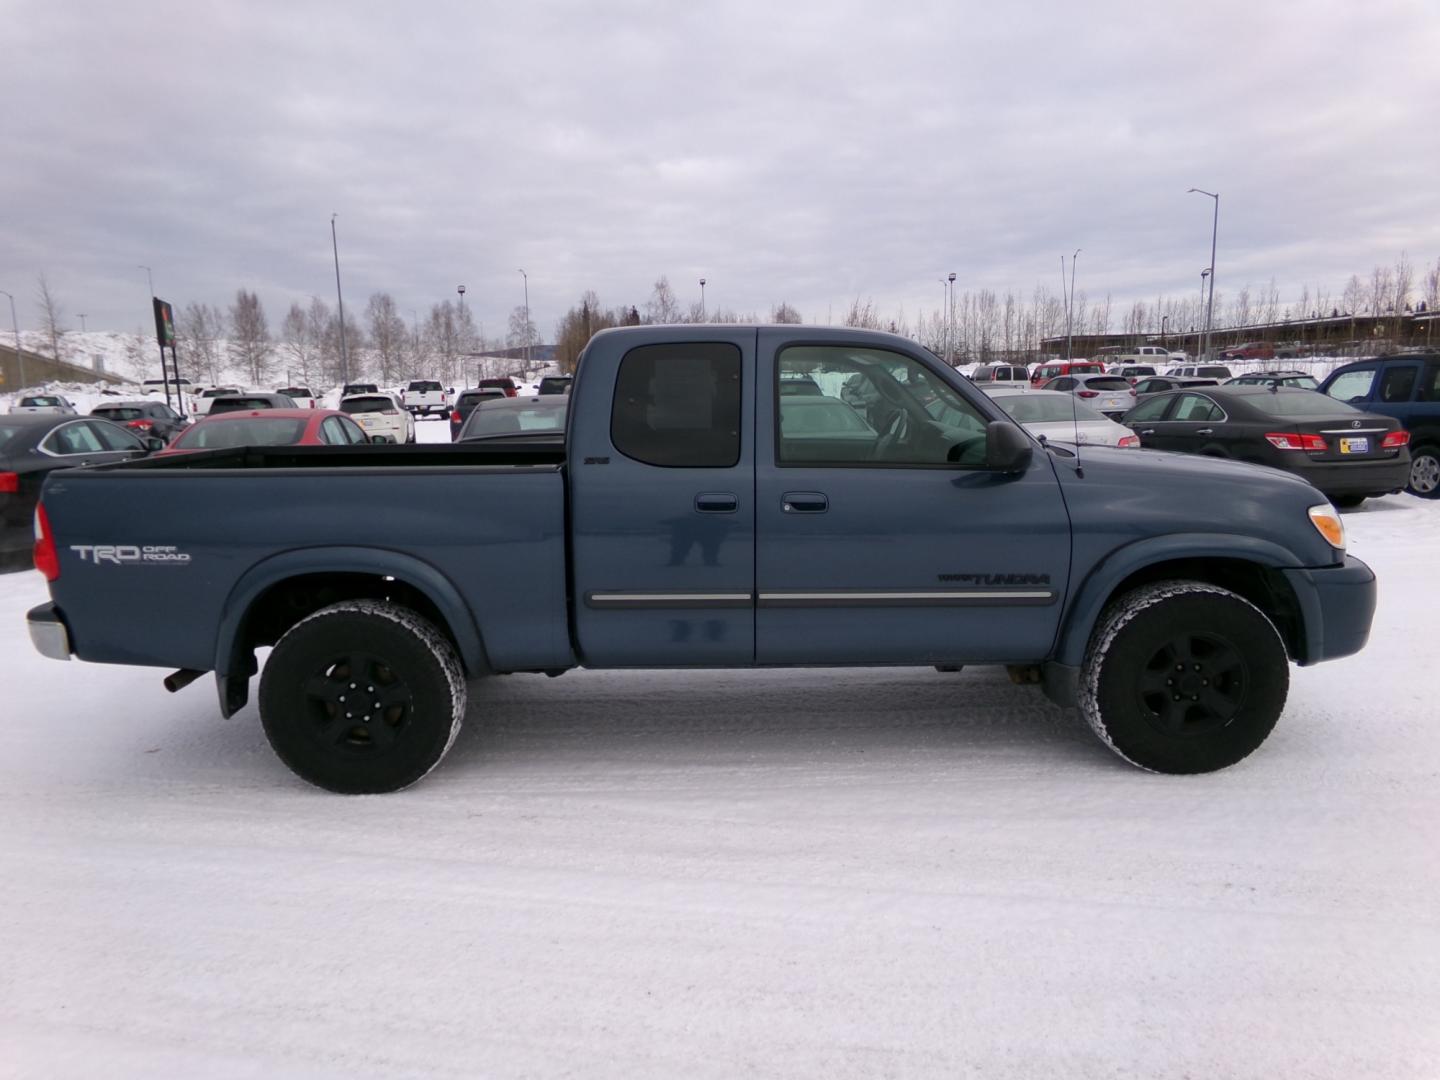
{"x": 1337, "y": 604}
{"x": 48, "y": 632}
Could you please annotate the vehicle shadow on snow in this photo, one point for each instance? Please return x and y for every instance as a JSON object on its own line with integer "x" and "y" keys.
{"x": 810, "y": 714}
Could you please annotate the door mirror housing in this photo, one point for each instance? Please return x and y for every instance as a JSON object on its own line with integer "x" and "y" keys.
{"x": 152, "y": 444}
{"x": 1007, "y": 448}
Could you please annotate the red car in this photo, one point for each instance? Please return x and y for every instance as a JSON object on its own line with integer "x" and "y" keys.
{"x": 1251, "y": 350}
{"x": 268, "y": 427}
{"x": 1055, "y": 368}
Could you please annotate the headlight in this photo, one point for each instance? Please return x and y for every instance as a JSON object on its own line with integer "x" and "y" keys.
{"x": 1327, "y": 523}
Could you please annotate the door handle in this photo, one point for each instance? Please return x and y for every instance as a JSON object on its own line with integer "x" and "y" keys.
{"x": 804, "y": 502}
{"x": 1205, "y": 431}
{"x": 1148, "y": 431}
{"x": 716, "y": 502}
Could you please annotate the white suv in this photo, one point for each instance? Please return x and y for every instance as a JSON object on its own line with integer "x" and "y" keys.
{"x": 380, "y": 416}
{"x": 425, "y": 396}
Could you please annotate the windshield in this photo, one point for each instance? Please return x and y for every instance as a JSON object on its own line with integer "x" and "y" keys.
{"x": 251, "y": 431}
{"x": 118, "y": 412}
{"x": 500, "y": 419}
{"x": 218, "y": 393}
{"x": 1044, "y": 409}
{"x": 424, "y": 387}
{"x": 239, "y": 404}
{"x": 44, "y": 402}
{"x": 1115, "y": 383}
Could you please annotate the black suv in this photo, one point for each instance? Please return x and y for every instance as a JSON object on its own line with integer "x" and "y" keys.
{"x": 143, "y": 417}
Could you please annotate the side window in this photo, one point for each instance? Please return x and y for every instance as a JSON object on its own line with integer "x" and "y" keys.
{"x": 679, "y": 405}
{"x": 1353, "y": 385}
{"x": 115, "y": 438}
{"x": 1430, "y": 384}
{"x": 331, "y": 433}
{"x": 875, "y": 407}
{"x": 73, "y": 439}
{"x": 1195, "y": 408}
{"x": 1398, "y": 383}
{"x": 1151, "y": 410}
{"x": 1065, "y": 382}
{"x": 353, "y": 432}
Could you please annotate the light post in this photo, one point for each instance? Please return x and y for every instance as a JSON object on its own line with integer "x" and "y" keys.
{"x": 19, "y": 354}
{"x": 340, "y": 299}
{"x": 1164, "y": 321}
{"x": 81, "y": 316}
{"x": 1214, "y": 233}
{"x": 1199, "y": 341}
{"x": 1069, "y": 299}
{"x": 703, "y": 317}
{"x": 950, "y": 323}
{"x": 527, "y": 321}
{"x": 464, "y": 344}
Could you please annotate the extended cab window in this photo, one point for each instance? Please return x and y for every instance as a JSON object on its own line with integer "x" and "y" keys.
{"x": 679, "y": 405}
{"x": 875, "y": 407}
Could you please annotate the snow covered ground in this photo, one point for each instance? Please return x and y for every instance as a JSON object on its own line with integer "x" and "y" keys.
{"x": 794, "y": 873}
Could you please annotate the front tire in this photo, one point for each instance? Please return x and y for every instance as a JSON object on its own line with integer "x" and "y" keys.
{"x": 1425, "y": 472}
{"x": 362, "y": 697}
{"x": 1183, "y": 677}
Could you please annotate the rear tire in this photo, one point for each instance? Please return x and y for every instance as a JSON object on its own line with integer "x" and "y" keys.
{"x": 1425, "y": 472}
{"x": 362, "y": 697}
{"x": 1183, "y": 677}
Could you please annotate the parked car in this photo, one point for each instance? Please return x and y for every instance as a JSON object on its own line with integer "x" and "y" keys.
{"x": 157, "y": 386}
{"x": 143, "y": 417}
{"x": 1131, "y": 373}
{"x": 207, "y": 398}
{"x": 351, "y": 389}
{"x": 466, "y": 401}
{"x": 226, "y": 403}
{"x": 1058, "y": 416}
{"x": 800, "y": 385}
{"x": 303, "y": 396}
{"x": 504, "y": 382}
{"x": 381, "y": 416}
{"x": 988, "y": 375}
{"x": 669, "y": 526}
{"x": 555, "y": 384}
{"x": 1251, "y": 350}
{"x": 268, "y": 427}
{"x": 1043, "y": 373}
{"x": 44, "y": 404}
{"x": 1218, "y": 372}
{"x": 1113, "y": 356}
{"x": 423, "y": 397}
{"x": 1299, "y": 380}
{"x": 1407, "y": 388}
{"x": 1107, "y": 394}
{"x": 1158, "y": 384}
{"x": 32, "y": 446}
{"x": 528, "y": 419}
{"x": 1347, "y": 454}
{"x": 825, "y": 429}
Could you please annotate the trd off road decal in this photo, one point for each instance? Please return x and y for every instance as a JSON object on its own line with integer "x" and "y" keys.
{"x": 131, "y": 554}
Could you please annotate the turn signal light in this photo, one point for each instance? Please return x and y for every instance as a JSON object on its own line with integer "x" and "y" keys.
{"x": 9, "y": 483}
{"x": 1292, "y": 440}
{"x": 47, "y": 560}
{"x": 1395, "y": 440}
{"x": 1328, "y": 524}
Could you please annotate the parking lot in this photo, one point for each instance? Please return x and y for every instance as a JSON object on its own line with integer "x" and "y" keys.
{"x": 816, "y": 872}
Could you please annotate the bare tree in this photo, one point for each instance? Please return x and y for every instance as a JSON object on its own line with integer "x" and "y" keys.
{"x": 785, "y": 315}
{"x": 863, "y": 315}
{"x": 521, "y": 330}
{"x": 250, "y": 344}
{"x": 52, "y": 316}
{"x": 662, "y": 306}
{"x": 387, "y": 334}
{"x": 201, "y": 329}
{"x": 301, "y": 340}
{"x": 138, "y": 358}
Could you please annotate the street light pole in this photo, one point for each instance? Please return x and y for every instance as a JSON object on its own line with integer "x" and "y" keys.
{"x": 340, "y": 299}
{"x": 1164, "y": 320}
{"x": 703, "y": 317}
{"x": 81, "y": 316}
{"x": 528, "y": 360}
{"x": 1069, "y": 300}
{"x": 1199, "y": 341}
{"x": 19, "y": 354}
{"x": 950, "y": 324}
{"x": 1214, "y": 233}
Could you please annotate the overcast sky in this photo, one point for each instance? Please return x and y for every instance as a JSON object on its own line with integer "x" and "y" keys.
{"x": 785, "y": 151}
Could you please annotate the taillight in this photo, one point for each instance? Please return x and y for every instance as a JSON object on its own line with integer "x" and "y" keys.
{"x": 1089, "y": 393}
{"x": 391, "y": 412}
{"x": 47, "y": 561}
{"x": 9, "y": 483}
{"x": 456, "y": 418}
{"x": 1132, "y": 392}
{"x": 1291, "y": 440}
{"x": 1129, "y": 440}
{"x": 511, "y": 391}
{"x": 1393, "y": 441}
{"x": 141, "y": 425}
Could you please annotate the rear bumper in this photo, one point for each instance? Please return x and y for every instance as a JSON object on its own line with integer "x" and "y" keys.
{"x": 1337, "y": 604}
{"x": 48, "y": 632}
{"x": 1357, "y": 477}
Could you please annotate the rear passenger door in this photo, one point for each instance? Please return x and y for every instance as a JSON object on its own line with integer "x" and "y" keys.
{"x": 662, "y": 504}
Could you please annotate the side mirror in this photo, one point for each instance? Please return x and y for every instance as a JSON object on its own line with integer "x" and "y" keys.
{"x": 451, "y": 390}
{"x": 153, "y": 444}
{"x": 1007, "y": 449}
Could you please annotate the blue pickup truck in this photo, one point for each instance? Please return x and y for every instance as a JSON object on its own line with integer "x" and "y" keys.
{"x": 725, "y": 496}
{"x": 1407, "y": 387}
